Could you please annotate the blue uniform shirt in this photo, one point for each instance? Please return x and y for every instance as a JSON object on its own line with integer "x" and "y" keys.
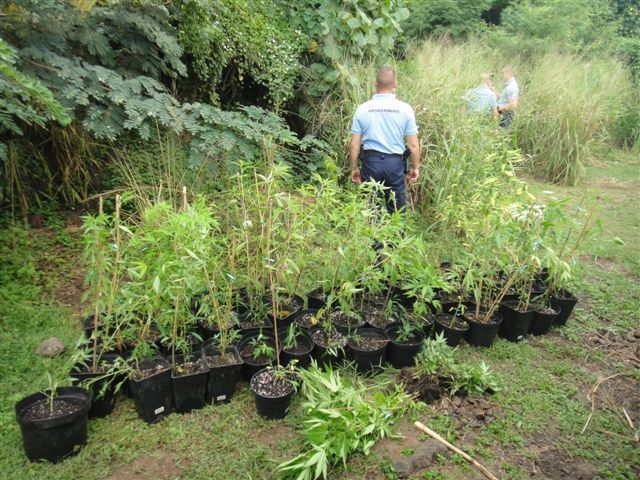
{"x": 511, "y": 91}
{"x": 383, "y": 123}
{"x": 481, "y": 99}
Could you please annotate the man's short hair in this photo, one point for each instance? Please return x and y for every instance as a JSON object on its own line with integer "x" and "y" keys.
{"x": 508, "y": 69}
{"x": 385, "y": 77}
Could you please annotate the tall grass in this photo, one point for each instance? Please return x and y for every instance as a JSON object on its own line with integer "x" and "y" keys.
{"x": 568, "y": 105}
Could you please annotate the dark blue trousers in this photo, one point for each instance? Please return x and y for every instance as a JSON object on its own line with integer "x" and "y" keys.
{"x": 387, "y": 169}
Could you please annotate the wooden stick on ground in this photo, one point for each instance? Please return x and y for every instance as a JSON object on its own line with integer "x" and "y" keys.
{"x": 455, "y": 449}
{"x": 633, "y": 429}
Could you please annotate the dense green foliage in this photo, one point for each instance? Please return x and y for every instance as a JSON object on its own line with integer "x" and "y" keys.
{"x": 237, "y": 43}
{"x": 124, "y": 72}
{"x": 25, "y": 99}
{"x": 450, "y": 17}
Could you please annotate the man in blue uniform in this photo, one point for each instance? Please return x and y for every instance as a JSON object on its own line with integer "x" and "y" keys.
{"x": 483, "y": 98}
{"x": 381, "y": 126}
{"x": 508, "y": 100}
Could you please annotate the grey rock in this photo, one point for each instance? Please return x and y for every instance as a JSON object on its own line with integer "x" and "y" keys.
{"x": 50, "y": 347}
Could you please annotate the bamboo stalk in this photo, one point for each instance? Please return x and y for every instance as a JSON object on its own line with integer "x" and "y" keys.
{"x": 455, "y": 449}
{"x": 94, "y": 358}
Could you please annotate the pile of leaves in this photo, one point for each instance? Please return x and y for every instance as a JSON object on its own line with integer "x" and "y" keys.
{"x": 340, "y": 416}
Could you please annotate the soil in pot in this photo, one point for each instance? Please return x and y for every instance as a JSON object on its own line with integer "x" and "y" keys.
{"x": 273, "y": 391}
{"x": 306, "y": 318}
{"x": 54, "y": 434}
{"x": 453, "y": 327}
{"x": 102, "y": 386}
{"x": 376, "y": 316}
{"x": 189, "y": 380}
{"x": 515, "y": 323}
{"x": 258, "y": 350}
{"x": 329, "y": 346}
{"x": 404, "y": 344}
{"x": 482, "y": 331}
{"x": 224, "y": 373}
{"x": 150, "y": 387}
{"x": 368, "y": 347}
{"x": 298, "y": 349}
{"x": 564, "y": 301}
{"x": 544, "y": 317}
{"x": 250, "y": 324}
{"x": 346, "y": 322}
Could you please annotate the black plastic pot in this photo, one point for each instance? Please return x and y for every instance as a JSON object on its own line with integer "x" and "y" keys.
{"x": 322, "y": 353}
{"x": 565, "y": 301}
{"x": 302, "y": 353}
{"x": 251, "y": 366}
{"x": 152, "y": 395}
{"x": 515, "y": 324}
{"x": 358, "y": 321}
{"x": 208, "y": 331}
{"x": 87, "y": 326}
{"x": 453, "y": 336}
{"x": 482, "y": 334}
{"x": 542, "y": 322}
{"x": 221, "y": 384}
{"x": 426, "y": 322}
{"x": 317, "y": 299}
{"x": 368, "y": 360}
{"x": 103, "y": 390}
{"x": 54, "y": 439}
{"x": 402, "y": 354}
{"x": 189, "y": 391}
{"x": 271, "y": 408}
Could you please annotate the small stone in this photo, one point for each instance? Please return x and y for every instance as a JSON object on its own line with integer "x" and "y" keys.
{"x": 636, "y": 334}
{"x": 50, "y": 347}
{"x": 456, "y": 400}
{"x": 488, "y": 419}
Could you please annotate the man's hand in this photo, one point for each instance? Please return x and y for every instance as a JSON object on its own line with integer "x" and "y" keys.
{"x": 414, "y": 173}
{"x": 355, "y": 176}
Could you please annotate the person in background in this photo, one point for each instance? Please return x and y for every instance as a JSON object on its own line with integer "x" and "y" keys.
{"x": 381, "y": 126}
{"x": 483, "y": 98}
{"x": 508, "y": 100}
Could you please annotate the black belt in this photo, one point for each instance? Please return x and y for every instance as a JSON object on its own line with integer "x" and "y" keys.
{"x": 364, "y": 152}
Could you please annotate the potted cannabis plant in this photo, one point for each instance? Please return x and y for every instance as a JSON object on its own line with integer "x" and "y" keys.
{"x": 297, "y": 346}
{"x": 282, "y": 232}
{"x": 54, "y": 422}
{"x": 103, "y": 278}
{"x": 368, "y": 347}
{"x": 405, "y": 341}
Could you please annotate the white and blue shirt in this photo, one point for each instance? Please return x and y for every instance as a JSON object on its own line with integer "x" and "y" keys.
{"x": 383, "y": 123}
{"x": 481, "y": 99}
{"x": 510, "y": 91}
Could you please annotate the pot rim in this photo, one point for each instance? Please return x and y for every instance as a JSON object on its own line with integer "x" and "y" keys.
{"x": 77, "y": 393}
